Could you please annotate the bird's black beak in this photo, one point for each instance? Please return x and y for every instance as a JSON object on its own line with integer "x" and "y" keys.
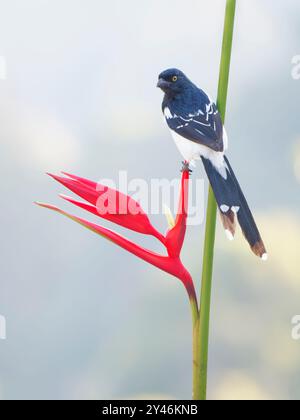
{"x": 162, "y": 84}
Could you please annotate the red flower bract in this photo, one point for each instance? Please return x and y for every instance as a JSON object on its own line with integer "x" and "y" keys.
{"x": 121, "y": 209}
{"x": 109, "y": 204}
{"x": 175, "y": 236}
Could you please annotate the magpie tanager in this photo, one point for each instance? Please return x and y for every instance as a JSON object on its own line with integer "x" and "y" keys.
{"x": 198, "y": 132}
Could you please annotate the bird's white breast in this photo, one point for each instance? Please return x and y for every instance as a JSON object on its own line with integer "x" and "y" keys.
{"x": 192, "y": 151}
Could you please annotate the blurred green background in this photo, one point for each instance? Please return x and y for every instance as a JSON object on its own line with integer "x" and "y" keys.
{"x": 84, "y": 318}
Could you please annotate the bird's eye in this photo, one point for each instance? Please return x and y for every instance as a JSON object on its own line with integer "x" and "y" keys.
{"x": 174, "y": 79}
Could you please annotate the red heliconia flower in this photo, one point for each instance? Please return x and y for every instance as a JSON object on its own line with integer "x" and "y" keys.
{"x": 123, "y": 210}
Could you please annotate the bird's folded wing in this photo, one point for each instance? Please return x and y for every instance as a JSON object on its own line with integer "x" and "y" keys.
{"x": 205, "y": 128}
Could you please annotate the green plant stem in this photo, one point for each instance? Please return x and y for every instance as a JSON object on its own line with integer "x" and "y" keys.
{"x": 201, "y": 326}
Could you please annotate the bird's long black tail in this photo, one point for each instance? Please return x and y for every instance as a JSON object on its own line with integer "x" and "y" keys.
{"x": 231, "y": 202}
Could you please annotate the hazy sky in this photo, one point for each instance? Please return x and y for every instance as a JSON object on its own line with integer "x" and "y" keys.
{"x": 85, "y": 319}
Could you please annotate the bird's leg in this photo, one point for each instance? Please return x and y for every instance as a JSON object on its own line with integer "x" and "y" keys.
{"x": 186, "y": 167}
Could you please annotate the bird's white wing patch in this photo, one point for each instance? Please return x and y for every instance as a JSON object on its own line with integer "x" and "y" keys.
{"x": 225, "y": 139}
{"x": 168, "y": 114}
{"x": 196, "y": 114}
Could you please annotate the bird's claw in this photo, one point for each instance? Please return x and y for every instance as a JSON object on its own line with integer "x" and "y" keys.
{"x": 186, "y": 167}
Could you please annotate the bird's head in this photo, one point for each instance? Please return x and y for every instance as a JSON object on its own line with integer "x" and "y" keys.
{"x": 173, "y": 81}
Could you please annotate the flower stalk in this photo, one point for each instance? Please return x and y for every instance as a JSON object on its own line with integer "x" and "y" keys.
{"x": 202, "y": 323}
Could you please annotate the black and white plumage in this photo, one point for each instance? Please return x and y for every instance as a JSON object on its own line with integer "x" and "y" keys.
{"x": 197, "y": 129}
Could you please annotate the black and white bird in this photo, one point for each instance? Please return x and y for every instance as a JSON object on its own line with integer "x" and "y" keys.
{"x": 198, "y": 132}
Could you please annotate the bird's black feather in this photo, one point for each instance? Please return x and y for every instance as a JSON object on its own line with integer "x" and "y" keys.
{"x": 190, "y": 112}
{"x": 202, "y": 127}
